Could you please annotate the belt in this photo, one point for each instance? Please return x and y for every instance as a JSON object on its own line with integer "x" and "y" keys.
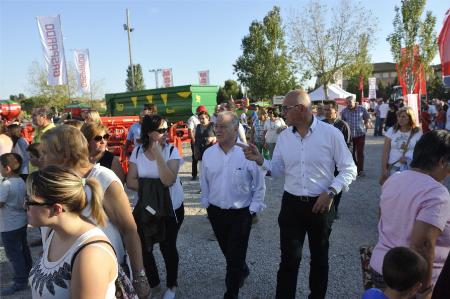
{"x": 306, "y": 198}
{"x": 301, "y": 197}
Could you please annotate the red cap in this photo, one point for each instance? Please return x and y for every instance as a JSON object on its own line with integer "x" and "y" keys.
{"x": 201, "y": 108}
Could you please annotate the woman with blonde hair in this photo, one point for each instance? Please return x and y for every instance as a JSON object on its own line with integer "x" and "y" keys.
{"x": 66, "y": 146}
{"x": 92, "y": 116}
{"x": 399, "y": 144}
{"x": 56, "y": 198}
{"x": 97, "y": 137}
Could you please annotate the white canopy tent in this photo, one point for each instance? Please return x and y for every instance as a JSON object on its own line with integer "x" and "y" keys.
{"x": 334, "y": 92}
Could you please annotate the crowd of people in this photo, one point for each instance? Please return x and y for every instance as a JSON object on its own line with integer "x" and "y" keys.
{"x": 70, "y": 185}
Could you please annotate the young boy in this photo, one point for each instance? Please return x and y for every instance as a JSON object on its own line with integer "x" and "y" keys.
{"x": 13, "y": 221}
{"x": 403, "y": 271}
{"x": 35, "y": 154}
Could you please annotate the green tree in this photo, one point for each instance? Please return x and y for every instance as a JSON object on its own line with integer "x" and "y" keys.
{"x": 413, "y": 42}
{"x": 325, "y": 42}
{"x": 436, "y": 88}
{"x": 265, "y": 67}
{"x": 230, "y": 89}
{"x": 138, "y": 78}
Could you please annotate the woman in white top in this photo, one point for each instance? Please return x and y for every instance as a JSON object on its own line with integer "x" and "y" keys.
{"x": 273, "y": 126}
{"x": 55, "y": 199}
{"x": 65, "y": 145}
{"x": 399, "y": 143}
{"x": 153, "y": 169}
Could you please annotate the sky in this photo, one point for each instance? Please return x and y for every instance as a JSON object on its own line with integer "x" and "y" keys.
{"x": 187, "y": 36}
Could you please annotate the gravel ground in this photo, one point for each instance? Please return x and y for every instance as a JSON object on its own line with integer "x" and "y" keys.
{"x": 202, "y": 265}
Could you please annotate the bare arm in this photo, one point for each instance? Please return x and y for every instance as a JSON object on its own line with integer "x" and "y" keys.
{"x": 93, "y": 270}
{"x": 117, "y": 207}
{"x": 423, "y": 240}
{"x": 132, "y": 177}
{"x": 168, "y": 170}
{"x": 385, "y": 156}
{"x": 117, "y": 168}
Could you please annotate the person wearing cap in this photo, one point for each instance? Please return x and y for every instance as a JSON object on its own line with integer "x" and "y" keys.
{"x": 192, "y": 123}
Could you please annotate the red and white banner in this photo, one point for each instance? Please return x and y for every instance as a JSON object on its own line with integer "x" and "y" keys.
{"x": 444, "y": 49}
{"x": 167, "y": 77}
{"x": 372, "y": 88}
{"x": 52, "y": 45}
{"x": 203, "y": 77}
{"x": 82, "y": 66}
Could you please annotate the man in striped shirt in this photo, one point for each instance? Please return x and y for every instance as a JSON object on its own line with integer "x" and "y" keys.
{"x": 357, "y": 118}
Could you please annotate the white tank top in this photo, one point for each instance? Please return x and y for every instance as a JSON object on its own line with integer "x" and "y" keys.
{"x": 51, "y": 280}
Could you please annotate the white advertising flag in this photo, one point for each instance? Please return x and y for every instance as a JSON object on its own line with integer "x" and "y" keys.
{"x": 372, "y": 88}
{"x": 167, "y": 77}
{"x": 203, "y": 77}
{"x": 52, "y": 45}
{"x": 82, "y": 65}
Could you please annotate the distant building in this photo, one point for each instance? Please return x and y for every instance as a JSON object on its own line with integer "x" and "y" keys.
{"x": 387, "y": 73}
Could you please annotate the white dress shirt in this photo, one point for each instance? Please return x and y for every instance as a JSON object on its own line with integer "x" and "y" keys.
{"x": 230, "y": 181}
{"x": 308, "y": 163}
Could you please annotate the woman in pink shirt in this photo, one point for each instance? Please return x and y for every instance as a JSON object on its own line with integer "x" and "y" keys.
{"x": 415, "y": 209}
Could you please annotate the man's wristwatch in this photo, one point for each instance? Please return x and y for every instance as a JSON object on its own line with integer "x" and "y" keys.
{"x": 331, "y": 193}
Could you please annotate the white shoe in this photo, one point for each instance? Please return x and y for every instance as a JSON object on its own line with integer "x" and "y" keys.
{"x": 169, "y": 294}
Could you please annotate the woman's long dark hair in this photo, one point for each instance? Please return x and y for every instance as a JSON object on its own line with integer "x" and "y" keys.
{"x": 149, "y": 124}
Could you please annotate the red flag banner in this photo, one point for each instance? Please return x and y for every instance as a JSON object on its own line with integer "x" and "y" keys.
{"x": 444, "y": 49}
{"x": 167, "y": 77}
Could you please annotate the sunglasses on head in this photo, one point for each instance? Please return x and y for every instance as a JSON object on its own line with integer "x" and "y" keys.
{"x": 161, "y": 131}
{"x": 99, "y": 138}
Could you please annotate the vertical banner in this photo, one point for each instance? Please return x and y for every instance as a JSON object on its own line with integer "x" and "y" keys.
{"x": 52, "y": 45}
{"x": 372, "y": 88}
{"x": 203, "y": 77}
{"x": 82, "y": 66}
{"x": 444, "y": 49}
{"x": 167, "y": 77}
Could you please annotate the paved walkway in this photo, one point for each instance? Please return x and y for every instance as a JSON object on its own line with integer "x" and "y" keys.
{"x": 202, "y": 266}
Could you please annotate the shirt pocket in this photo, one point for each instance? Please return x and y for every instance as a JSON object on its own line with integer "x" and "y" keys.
{"x": 240, "y": 180}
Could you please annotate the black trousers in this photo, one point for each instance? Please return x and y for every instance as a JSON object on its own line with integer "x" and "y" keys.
{"x": 296, "y": 219}
{"x": 168, "y": 250}
{"x": 232, "y": 230}
{"x": 194, "y": 162}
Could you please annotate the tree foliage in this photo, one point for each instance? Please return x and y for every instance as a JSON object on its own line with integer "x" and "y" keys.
{"x": 416, "y": 37}
{"x": 230, "y": 89}
{"x": 265, "y": 67}
{"x": 44, "y": 95}
{"x": 436, "y": 88}
{"x": 138, "y": 78}
{"x": 325, "y": 42}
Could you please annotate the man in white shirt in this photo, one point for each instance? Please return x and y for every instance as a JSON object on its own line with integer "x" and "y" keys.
{"x": 306, "y": 155}
{"x": 384, "y": 109}
{"x": 232, "y": 191}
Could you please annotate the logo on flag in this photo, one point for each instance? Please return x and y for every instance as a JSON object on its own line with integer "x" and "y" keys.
{"x": 81, "y": 58}
{"x": 52, "y": 45}
{"x": 167, "y": 77}
{"x": 203, "y": 77}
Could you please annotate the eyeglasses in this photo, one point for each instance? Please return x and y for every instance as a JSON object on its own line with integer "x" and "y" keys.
{"x": 161, "y": 131}
{"x": 287, "y": 108}
{"x": 99, "y": 138}
{"x": 29, "y": 202}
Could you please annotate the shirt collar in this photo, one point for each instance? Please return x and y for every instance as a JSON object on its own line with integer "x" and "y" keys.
{"x": 312, "y": 126}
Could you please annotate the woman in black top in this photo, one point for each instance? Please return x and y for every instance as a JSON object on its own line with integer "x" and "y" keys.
{"x": 204, "y": 135}
{"x": 391, "y": 117}
{"x": 97, "y": 137}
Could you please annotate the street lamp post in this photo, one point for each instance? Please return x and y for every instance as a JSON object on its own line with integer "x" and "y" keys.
{"x": 128, "y": 29}
{"x": 156, "y": 71}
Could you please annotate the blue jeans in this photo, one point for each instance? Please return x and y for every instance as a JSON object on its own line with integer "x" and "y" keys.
{"x": 18, "y": 253}
{"x": 378, "y": 130}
